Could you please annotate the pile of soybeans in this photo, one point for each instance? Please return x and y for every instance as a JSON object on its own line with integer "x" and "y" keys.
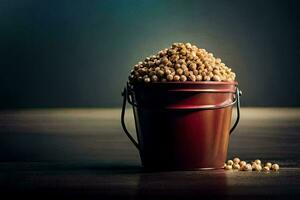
{"x": 181, "y": 62}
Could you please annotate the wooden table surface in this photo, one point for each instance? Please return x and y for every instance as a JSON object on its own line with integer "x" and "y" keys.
{"x": 74, "y": 153}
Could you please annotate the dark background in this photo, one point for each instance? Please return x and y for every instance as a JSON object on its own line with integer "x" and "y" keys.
{"x": 79, "y": 53}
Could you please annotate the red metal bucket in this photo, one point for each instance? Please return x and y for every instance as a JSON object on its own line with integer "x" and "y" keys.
{"x": 183, "y": 125}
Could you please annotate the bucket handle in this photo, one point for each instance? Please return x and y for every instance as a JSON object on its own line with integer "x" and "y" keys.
{"x": 238, "y": 93}
{"x": 126, "y": 98}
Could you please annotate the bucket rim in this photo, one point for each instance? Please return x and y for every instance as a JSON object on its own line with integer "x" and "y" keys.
{"x": 193, "y": 83}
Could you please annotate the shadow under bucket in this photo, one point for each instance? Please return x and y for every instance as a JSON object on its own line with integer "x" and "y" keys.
{"x": 182, "y": 126}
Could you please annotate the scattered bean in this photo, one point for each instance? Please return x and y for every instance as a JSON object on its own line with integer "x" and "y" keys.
{"x": 229, "y": 162}
{"x": 237, "y": 164}
{"x": 236, "y": 160}
{"x": 248, "y": 167}
{"x": 228, "y": 167}
{"x": 266, "y": 168}
{"x": 242, "y": 163}
{"x": 268, "y": 164}
{"x": 257, "y": 162}
{"x": 275, "y": 167}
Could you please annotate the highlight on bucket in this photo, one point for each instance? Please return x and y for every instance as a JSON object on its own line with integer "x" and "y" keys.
{"x": 182, "y": 100}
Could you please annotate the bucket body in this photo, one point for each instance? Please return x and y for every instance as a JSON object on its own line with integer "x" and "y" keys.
{"x": 183, "y": 125}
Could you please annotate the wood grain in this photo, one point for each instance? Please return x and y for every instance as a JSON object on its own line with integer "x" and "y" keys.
{"x": 52, "y": 153}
